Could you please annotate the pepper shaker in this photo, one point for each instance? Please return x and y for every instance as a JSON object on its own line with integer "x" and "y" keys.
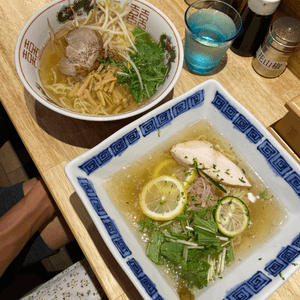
{"x": 283, "y": 40}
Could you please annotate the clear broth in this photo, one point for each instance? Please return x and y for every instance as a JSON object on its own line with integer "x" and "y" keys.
{"x": 49, "y": 73}
{"x": 266, "y": 215}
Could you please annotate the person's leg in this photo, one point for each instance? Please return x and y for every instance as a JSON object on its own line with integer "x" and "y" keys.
{"x": 28, "y": 185}
{"x": 55, "y": 233}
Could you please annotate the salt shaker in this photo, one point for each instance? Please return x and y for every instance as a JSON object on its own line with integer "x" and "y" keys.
{"x": 282, "y": 40}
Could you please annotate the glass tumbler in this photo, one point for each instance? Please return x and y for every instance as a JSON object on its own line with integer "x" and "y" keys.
{"x": 211, "y": 27}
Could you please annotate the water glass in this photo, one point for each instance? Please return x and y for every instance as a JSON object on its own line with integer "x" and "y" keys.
{"x": 211, "y": 27}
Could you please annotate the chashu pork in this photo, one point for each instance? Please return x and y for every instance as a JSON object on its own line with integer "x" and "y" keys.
{"x": 213, "y": 162}
{"x": 83, "y": 50}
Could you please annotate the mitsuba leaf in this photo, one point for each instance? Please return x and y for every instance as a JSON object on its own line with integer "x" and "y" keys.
{"x": 153, "y": 251}
{"x": 196, "y": 273}
{"x": 150, "y": 62}
{"x": 173, "y": 251}
{"x": 182, "y": 216}
{"x": 208, "y": 224}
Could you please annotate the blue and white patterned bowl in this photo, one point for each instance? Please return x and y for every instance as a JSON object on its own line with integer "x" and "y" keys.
{"x": 251, "y": 277}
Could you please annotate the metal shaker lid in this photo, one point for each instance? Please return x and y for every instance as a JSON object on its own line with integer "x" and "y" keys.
{"x": 285, "y": 31}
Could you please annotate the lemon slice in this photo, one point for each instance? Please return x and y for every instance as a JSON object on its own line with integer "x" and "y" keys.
{"x": 190, "y": 177}
{"x": 163, "y": 198}
{"x": 171, "y": 167}
{"x": 232, "y": 216}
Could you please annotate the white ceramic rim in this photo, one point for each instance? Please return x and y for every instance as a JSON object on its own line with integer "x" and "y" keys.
{"x": 260, "y": 274}
{"x": 75, "y": 115}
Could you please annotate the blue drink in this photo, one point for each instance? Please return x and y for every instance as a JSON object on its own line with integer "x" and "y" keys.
{"x": 209, "y": 33}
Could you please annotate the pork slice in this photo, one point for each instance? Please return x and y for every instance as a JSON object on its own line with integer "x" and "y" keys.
{"x": 84, "y": 46}
{"x": 67, "y": 67}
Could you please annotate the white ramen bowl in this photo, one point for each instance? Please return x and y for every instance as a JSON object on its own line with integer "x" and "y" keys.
{"x": 35, "y": 33}
{"x": 269, "y": 265}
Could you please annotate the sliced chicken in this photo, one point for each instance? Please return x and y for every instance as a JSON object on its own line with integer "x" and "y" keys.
{"x": 185, "y": 153}
{"x": 213, "y": 162}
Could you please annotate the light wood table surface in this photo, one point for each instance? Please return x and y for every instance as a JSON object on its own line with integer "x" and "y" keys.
{"x": 53, "y": 140}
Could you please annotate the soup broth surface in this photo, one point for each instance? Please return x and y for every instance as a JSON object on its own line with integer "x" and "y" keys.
{"x": 60, "y": 86}
{"x": 267, "y": 213}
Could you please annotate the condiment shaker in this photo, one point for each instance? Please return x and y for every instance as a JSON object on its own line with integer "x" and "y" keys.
{"x": 283, "y": 40}
{"x": 257, "y": 16}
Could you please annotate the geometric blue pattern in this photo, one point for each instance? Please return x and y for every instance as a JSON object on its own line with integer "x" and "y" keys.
{"x": 241, "y": 123}
{"x": 258, "y": 281}
{"x": 96, "y": 162}
{"x": 111, "y": 228}
{"x": 163, "y": 118}
{"x": 90, "y": 192}
{"x": 288, "y": 254}
{"x": 250, "y": 287}
{"x": 243, "y": 292}
{"x": 122, "y": 247}
{"x": 108, "y": 223}
{"x": 90, "y": 165}
{"x": 116, "y": 148}
{"x": 267, "y": 149}
{"x": 144, "y": 279}
{"x": 148, "y": 127}
{"x": 119, "y": 146}
{"x": 180, "y": 107}
{"x": 148, "y": 285}
{"x": 98, "y": 206}
{"x": 196, "y": 99}
{"x": 254, "y": 135}
{"x": 285, "y": 257}
{"x": 132, "y": 137}
{"x": 229, "y": 111}
{"x": 104, "y": 157}
{"x": 219, "y": 101}
{"x": 274, "y": 267}
{"x": 293, "y": 180}
{"x": 296, "y": 241}
{"x": 135, "y": 267}
{"x": 280, "y": 165}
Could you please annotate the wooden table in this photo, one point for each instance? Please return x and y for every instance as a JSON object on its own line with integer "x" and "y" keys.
{"x": 53, "y": 140}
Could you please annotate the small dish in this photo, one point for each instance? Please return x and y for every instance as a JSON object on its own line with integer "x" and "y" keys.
{"x": 265, "y": 269}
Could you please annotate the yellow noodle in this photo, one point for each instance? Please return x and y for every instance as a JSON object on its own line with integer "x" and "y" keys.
{"x": 100, "y": 83}
{"x": 117, "y": 110}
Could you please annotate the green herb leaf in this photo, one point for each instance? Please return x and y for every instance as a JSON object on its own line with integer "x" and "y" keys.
{"x": 173, "y": 251}
{"x": 153, "y": 251}
{"x": 149, "y": 60}
{"x": 208, "y": 225}
{"x": 146, "y": 224}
